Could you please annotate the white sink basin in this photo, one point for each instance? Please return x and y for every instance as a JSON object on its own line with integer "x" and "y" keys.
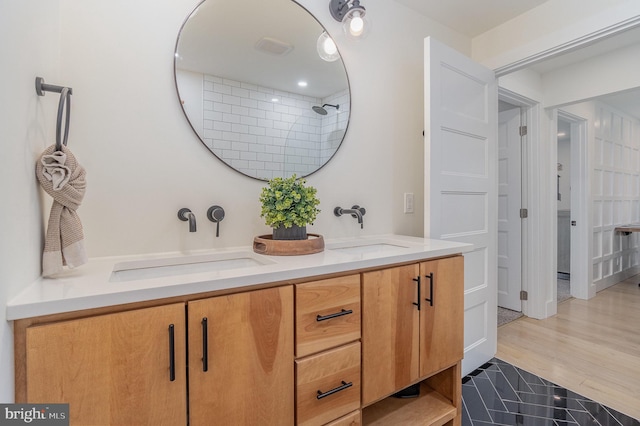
{"x": 367, "y": 247}
{"x": 183, "y": 265}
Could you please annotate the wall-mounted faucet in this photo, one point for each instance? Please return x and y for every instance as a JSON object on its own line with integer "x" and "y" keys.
{"x": 184, "y": 215}
{"x": 355, "y": 211}
{"x": 216, "y": 215}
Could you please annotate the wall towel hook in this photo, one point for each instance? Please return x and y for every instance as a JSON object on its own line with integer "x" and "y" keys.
{"x": 65, "y": 100}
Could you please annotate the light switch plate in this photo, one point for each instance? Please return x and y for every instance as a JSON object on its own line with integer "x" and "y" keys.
{"x": 408, "y": 202}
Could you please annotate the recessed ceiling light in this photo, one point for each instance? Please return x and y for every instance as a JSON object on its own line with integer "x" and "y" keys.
{"x": 274, "y": 99}
{"x": 302, "y": 83}
{"x": 561, "y": 134}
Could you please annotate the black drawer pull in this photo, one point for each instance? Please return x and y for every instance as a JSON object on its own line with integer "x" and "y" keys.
{"x": 205, "y": 345}
{"x": 417, "y": 280}
{"x": 336, "y": 315}
{"x": 172, "y": 354}
{"x": 344, "y": 386}
{"x": 430, "y": 277}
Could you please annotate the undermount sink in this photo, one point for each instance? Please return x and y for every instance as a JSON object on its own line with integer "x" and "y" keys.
{"x": 183, "y": 265}
{"x": 366, "y": 247}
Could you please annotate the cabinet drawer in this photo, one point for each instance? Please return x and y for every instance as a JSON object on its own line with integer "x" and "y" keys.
{"x": 328, "y": 385}
{"x": 327, "y": 314}
{"x": 351, "y": 419}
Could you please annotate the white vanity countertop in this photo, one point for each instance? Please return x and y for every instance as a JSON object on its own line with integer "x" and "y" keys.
{"x": 92, "y": 285}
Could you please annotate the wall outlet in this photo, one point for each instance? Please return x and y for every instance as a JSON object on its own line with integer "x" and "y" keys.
{"x": 408, "y": 202}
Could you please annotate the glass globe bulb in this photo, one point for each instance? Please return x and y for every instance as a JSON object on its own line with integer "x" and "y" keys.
{"x": 356, "y": 26}
{"x": 329, "y": 46}
{"x": 327, "y": 49}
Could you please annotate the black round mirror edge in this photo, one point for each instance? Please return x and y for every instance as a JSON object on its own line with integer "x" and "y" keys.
{"x": 184, "y": 112}
{"x": 348, "y": 88}
{"x": 175, "y": 82}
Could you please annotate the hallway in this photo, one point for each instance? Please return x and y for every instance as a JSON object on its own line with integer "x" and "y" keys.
{"x": 590, "y": 347}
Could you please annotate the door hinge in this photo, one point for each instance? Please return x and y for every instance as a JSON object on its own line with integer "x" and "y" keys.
{"x": 524, "y": 213}
{"x": 523, "y": 130}
{"x": 524, "y": 295}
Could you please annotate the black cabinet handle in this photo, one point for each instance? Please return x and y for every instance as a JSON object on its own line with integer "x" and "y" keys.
{"x": 417, "y": 280}
{"x": 172, "y": 354}
{"x": 344, "y": 386}
{"x": 430, "y": 299}
{"x": 337, "y": 314}
{"x": 205, "y": 344}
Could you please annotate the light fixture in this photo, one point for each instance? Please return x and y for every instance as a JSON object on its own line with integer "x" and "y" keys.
{"x": 302, "y": 83}
{"x": 355, "y": 24}
{"x": 327, "y": 48}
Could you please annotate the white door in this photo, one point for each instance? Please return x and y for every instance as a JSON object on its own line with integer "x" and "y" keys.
{"x": 509, "y": 202}
{"x": 461, "y": 185}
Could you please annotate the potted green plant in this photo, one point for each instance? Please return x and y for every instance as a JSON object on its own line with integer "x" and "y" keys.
{"x": 288, "y": 206}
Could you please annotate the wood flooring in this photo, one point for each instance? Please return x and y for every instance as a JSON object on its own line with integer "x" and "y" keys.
{"x": 591, "y": 347}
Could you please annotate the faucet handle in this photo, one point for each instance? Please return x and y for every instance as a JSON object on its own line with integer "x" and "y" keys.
{"x": 216, "y": 215}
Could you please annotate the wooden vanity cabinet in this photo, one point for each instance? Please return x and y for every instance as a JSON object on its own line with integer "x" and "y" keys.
{"x": 241, "y": 359}
{"x": 113, "y": 369}
{"x": 412, "y": 331}
{"x": 327, "y": 352}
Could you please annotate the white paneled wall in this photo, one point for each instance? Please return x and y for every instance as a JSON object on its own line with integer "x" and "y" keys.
{"x": 264, "y": 132}
{"x": 615, "y": 192}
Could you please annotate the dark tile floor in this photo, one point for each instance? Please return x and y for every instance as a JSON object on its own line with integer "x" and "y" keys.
{"x": 500, "y": 394}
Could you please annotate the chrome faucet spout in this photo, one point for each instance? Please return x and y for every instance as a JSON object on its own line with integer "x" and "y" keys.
{"x": 356, "y": 212}
{"x": 185, "y": 215}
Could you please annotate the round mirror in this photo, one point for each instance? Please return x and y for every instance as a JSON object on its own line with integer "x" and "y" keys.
{"x": 255, "y": 90}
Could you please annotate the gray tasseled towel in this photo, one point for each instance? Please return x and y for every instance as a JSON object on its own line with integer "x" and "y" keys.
{"x": 63, "y": 178}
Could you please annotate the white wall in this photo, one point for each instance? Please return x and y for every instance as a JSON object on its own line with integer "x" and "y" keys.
{"x": 614, "y": 170}
{"x": 615, "y": 194}
{"x": 143, "y": 161}
{"x": 29, "y": 47}
{"x": 608, "y": 73}
{"x": 552, "y": 24}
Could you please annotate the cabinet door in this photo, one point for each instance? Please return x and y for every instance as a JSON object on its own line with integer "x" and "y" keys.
{"x": 246, "y": 348}
{"x": 441, "y": 318}
{"x": 390, "y": 331}
{"x": 112, "y": 369}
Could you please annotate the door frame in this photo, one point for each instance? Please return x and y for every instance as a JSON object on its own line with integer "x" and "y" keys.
{"x": 541, "y": 225}
{"x": 570, "y": 46}
{"x": 530, "y": 117}
{"x": 581, "y": 237}
{"x": 512, "y": 205}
